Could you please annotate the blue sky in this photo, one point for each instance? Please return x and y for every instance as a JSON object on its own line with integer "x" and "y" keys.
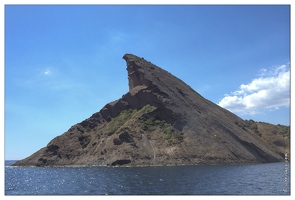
{"x": 64, "y": 63}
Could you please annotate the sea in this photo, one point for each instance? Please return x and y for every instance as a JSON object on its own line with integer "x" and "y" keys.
{"x": 258, "y": 179}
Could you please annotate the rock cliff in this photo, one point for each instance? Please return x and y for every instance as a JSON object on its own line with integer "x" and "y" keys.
{"x": 161, "y": 121}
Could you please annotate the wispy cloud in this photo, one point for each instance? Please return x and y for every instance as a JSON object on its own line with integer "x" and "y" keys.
{"x": 47, "y": 72}
{"x": 47, "y": 79}
{"x": 269, "y": 91}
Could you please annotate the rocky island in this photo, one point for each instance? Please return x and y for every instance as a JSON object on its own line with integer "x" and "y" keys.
{"x": 163, "y": 121}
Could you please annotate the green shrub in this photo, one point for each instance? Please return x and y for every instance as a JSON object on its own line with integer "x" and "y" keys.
{"x": 147, "y": 123}
{"x": 84, "y": 140}
{"x": 252, "y": 125}
{"x": 285, "y": 130}
{"x": 126, "y": 115}
{"x": 150, "y": 124}
{"x": 118, "y": 121}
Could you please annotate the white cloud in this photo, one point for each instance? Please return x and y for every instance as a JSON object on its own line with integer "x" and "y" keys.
{"x": 47, "y": 73}
{"x": 48, "y": 79}
{"x": 268, "y": 92}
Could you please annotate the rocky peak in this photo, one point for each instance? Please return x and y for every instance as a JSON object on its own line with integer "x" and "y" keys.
{"x": 139, "y": 71}
{"x": 161, "y": 121}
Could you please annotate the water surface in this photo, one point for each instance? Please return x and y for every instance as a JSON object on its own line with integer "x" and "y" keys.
{"x": 262, "y": 179}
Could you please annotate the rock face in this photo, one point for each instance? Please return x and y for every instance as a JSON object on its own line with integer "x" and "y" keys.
{"x": 161, "y": 121}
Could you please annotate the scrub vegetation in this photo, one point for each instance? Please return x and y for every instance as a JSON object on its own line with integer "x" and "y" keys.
{"x": 146, "y": 123}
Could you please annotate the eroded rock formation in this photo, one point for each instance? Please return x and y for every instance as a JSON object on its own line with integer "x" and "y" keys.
{"x": 161, "y": 121}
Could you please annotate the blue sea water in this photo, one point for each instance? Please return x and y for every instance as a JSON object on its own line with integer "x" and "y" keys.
{"x": 261, "y": 179}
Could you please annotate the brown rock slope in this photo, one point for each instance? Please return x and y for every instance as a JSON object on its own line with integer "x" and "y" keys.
{"x": 160, "y": 121}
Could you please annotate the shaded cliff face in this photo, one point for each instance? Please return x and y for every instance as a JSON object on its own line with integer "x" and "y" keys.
{"x": 161, "y": 121}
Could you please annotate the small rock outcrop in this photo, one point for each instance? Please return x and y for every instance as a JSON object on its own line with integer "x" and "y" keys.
{"x": 162, "y": 121}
